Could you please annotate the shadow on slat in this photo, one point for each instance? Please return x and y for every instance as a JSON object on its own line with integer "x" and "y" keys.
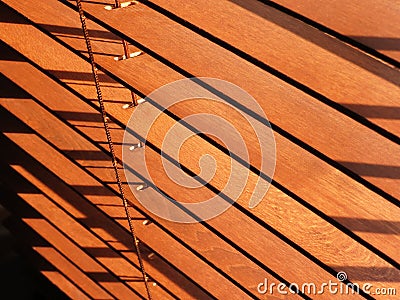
{"x": 19, "y": 128}
{"x": 326, "y": 42}
{"x": 77, "y": 31}
{"x": 43, "y": 288}
{"x": 22, "y": 210}
{"x": 87, "y": 155}
{"x": 80, "y": 116}
{"x": 81, "y": 76}
{"x": 91, "y": 38}
{"x": 102, "y": 252}
{"x": 373, "y": 170}
{"x": 375, "y": 111}
{"x": 379, "y": 43}
{"x": 93, "y": 191}
{"x": 11, "y": 154}
{"x": 105, "y": 277}
{"x": 366, "y": 225}
{"x": 101, "y": 53}
{"x": 9, "y": 89}
{"x": 369, "y": 274}
{"x": 95, "y": 2}
{"x": 102, "y": 277}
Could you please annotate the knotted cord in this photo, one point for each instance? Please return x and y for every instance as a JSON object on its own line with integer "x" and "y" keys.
{"x": 111, "y": 146}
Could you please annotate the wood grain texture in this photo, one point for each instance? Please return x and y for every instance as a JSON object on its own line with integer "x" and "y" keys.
{"x": 368, "y": 22}
{"x": 148, "y": 69}
{"x": 209, "y": 245}
{"x": 70, "y": 174}
{"x": 264, "y": 208}
{"x": 284, "y": 105}
{"x": 182, "y": 258}
{"x": 286, "y": 164}
{"x": 335, "y": 70}
{"x": 279, "y": 215}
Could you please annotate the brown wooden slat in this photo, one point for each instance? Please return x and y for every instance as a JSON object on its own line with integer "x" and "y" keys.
{"x": 65, "y": 285}
{"x": 117, "y": 265}
{"x": 85, "y": 212}
{"x": 144, "y": 77}
{"x": 285, "y": 106}
{"x": 267, "y": 242}
{"x": 108, "y": 208}
{"x": 177, "y": 255}
{"x": 58, "y": 260}
{"x": 318, "y": 61}
{"x": 30, "y": 245}
{"x": 241, "y": 265}
{"x": 116, "y": 289}
{"x": 148, "y": 68}
{"x": 372, "y": 23}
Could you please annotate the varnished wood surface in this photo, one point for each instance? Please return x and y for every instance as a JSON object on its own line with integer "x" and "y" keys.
{"x": 117, "y": 107}
{"x": 337, "y": 71}
{"x": 285, "y": 105}
{"x": 289, "y": 216}
{"x": 372, "y": 23}
{"x": 290, "y": 183}
{"x": 98, "y": 195}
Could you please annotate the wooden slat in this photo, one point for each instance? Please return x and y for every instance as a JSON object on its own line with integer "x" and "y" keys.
{"x": 231, "y": 218}
{"x": 78, "y": 257}
{"x": 211, "y": 245}
{"x": 58, "y": 260}
{"x": 152, "y": 235}
{"x": 65, "y": 285}
{"x": 105, "y": 201}
{"x": 115, "y": 262}
{"x": 26, "y": 242}
{"x": 274, "y": 245}
{"x": 285, "y": 106}
{"x": 287, "y": 168}
{"x": 117, "y": 266}
{"x": 335, "y": 70}
{"x": 140, "y": 70}
{"x": 372, "y": 23}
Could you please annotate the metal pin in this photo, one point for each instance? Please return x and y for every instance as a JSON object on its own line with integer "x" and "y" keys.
{"x": 131, "y": 55}
{"x": 151, "y": 256}
{"x": 141, "y": 187}
{"x": 126, "y": 4}
{"x": 154, "y": 284}
{"x": 133, "y": 104}
{"x": 134, "y": 54}
{"x": 128, "y": 105}
{"x": 122, "y": 5}
{"x": 107, "y": 119}
{"x": 135, "y": 146}
{"x": 127, "y": 54}
{"x": 146, "y": 222}
{"x": 122, "y": 57}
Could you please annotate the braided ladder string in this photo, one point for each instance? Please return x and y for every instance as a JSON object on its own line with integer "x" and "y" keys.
{"x": 111, "y": 146}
